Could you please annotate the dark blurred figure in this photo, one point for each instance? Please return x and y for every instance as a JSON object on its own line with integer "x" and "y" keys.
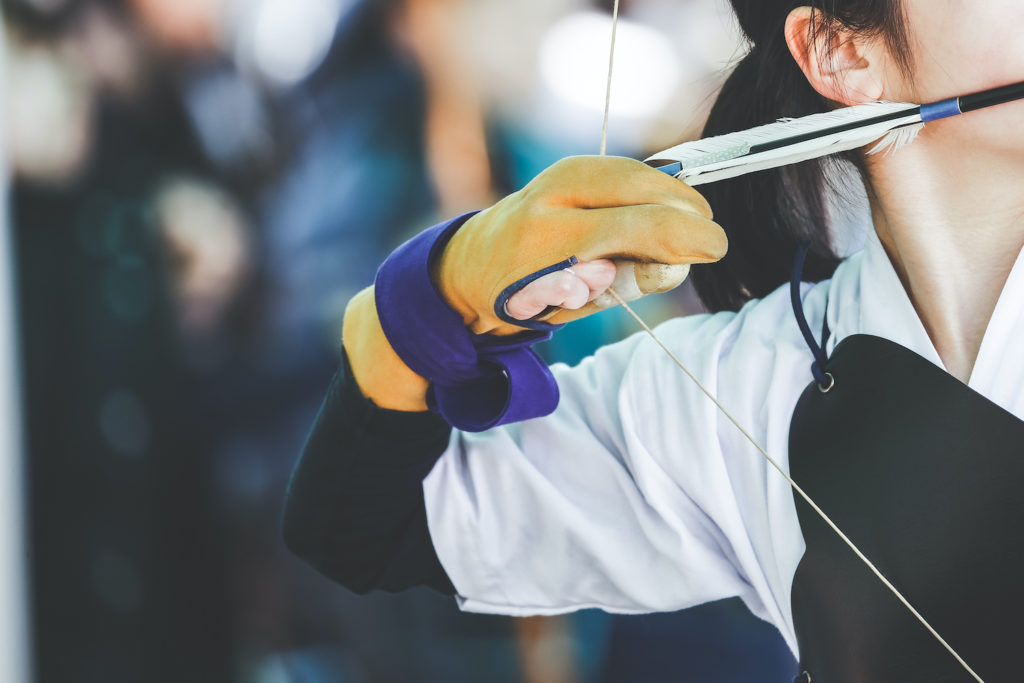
{"x": 128, "y": 575}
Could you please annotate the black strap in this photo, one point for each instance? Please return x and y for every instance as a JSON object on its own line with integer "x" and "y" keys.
{"x": 817, "y": 350}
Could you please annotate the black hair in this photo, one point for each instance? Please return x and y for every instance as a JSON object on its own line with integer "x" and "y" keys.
{"x": 768, "y": 214}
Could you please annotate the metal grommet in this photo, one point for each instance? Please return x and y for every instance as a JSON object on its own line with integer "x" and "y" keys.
{"x": 804, "y": 677}
{"x": 825, "y": 389}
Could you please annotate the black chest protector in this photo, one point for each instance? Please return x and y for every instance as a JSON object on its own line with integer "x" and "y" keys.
{"x": 926, "y": 476}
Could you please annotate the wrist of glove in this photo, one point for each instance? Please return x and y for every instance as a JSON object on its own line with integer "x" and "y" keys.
{"x": 439, "y": 335}
{"x": 477, "y": 381}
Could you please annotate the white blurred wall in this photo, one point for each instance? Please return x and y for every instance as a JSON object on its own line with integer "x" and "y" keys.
{"x": 14, "y": 629}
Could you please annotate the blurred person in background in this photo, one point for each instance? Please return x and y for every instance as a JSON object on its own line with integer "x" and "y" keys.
{"x": 127, "y": 571}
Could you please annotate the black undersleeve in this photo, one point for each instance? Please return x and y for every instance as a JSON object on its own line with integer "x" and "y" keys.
{"x": 354, "y": 508}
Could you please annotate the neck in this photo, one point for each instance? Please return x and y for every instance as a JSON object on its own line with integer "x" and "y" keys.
{"x": 952, "y": 224}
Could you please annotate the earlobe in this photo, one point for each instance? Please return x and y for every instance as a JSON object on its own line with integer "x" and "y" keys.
{"x": 839, "y": 65}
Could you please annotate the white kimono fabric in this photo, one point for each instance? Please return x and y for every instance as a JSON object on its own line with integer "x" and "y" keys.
{"x": 638, "y": 495}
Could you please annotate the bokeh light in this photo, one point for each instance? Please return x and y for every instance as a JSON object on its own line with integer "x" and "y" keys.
{"x": 286, "y": 39}
{"x": 573, "y": 63}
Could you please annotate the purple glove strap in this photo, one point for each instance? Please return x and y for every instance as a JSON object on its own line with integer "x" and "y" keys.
{"x": 477, "y": 381}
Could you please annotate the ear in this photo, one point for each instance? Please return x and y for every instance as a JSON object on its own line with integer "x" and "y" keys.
{"x": 841, "y": 66}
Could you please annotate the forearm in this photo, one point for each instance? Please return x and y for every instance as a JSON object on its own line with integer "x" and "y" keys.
{"x": 354, "y": 507}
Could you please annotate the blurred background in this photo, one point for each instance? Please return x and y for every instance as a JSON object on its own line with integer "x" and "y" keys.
{"x": 195, "y": 190}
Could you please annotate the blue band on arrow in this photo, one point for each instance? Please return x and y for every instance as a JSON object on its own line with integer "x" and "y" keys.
{"x": 940, "y": 110}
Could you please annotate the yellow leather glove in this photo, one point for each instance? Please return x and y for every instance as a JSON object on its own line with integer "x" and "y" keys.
{"x": 381, "y": 375}
{"x": 583, "y": 208}
{"x": 579, "y": 209}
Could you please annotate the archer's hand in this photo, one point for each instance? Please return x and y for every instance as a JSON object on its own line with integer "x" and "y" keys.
{"x": 594, "y": 210}
{"x": 597, "y": 209}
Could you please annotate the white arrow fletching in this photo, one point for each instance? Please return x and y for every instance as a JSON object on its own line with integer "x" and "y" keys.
{"x": 735, "y": 154}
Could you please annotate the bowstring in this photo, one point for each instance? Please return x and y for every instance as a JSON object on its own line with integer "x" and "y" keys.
{"x": 608, "y": 84}
{"x": 796, "y": 487}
